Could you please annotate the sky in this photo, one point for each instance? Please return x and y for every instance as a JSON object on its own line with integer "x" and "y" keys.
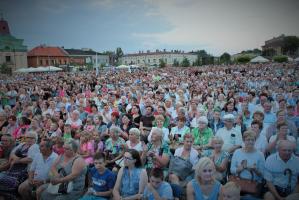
{"x": 217, "y": 26}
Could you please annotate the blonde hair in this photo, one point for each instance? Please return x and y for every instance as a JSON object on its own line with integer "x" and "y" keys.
{"x": 135, "y": 131}
{"x": 249, "y": 134}
{"x": 160, "y": 117}
{"x": 231, "y": 188}
{"x": 216, "y": 138}
{"x": 202, "y": 163}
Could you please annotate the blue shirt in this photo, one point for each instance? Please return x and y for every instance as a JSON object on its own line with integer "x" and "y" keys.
{"x": 275, "y": 168}
{"x": 164, "y": 190}
{"x": 102, "y": 182}
{"x": 199, "y": 195}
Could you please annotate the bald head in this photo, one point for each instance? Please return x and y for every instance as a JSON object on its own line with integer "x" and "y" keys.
{"x": 285, "y": 149}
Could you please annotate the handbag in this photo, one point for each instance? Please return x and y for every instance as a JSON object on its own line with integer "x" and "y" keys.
{"x": 247, "y": 186}
{"x": 180, "y": 167}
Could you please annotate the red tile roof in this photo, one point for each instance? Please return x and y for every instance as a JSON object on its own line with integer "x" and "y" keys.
{"x": 47, "y": 51}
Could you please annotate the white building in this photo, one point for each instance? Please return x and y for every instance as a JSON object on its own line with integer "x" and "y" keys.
{"x": 153, "y": 58}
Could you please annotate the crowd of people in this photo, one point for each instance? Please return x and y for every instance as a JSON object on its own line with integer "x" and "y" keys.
{"x": 165, "y": 133}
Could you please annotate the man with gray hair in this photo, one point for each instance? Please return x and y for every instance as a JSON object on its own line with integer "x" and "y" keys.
{"x": 38, "y": 175}
{"x": 281, "y": 172}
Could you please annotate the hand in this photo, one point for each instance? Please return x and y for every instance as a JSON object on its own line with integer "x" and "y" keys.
{"x": 55, "y": 181}
{"x": 37, "y": 182}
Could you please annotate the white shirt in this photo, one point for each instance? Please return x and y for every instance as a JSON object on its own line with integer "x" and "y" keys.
{"x": 193, "y": 155}
{"x": 41, "y": 167}
{"x": 227, "y": 138}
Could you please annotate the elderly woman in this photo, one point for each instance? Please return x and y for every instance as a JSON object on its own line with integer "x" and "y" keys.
{"x": 75, "y": 170}
{"x": 131, "y": 179}
{"x": 219, "y": 157}
{"x": 282, "y": 134}
{"x": 74, "y": 120}
{"x": 186, "y": 152}
{"x": 204, "y": 185}
{"x": 248, "y": 159}
{"x": 177, "y": 133}
{"x": 156, "y": 153}
{"x": 134, "y": 140}
{"x": 203, "y": 133}
{"x": 159, "y": 120}
{"x": 19, "y": 160}
{"x": 115, "y": 147}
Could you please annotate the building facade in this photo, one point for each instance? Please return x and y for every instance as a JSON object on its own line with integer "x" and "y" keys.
{"x": 148, "y": 58}
{"x": 12, "y": 51}
{"x": 47, "y": 56}
{"x": 274, "y": 46}
{"x": 87, "y": 56}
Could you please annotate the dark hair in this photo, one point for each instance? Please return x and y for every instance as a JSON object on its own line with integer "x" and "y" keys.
{"x": 99, "y": 156}
{"x": 135, "y": 155}
{"x": 258, "y": 123}
{"x": 157, "y": 173}
{"x": 12, "y": 117}
{"x": 48, "y": 142}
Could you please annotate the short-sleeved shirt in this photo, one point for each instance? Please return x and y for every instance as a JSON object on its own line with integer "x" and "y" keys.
{"x": 116, "y": 147}
{"x": 41, "y": 167}
{"x": 164, "y": 149}
{"x": 275, "y": 170}
{"x": 164, "y": 190}
{"x": 102, "y": 182}
{"x": 202, "y": 138}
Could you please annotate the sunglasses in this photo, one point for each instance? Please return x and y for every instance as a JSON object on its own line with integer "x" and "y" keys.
{"x": 127, "y": 158}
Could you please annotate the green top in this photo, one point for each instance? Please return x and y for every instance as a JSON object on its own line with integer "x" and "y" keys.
{"x": 202, "y": 138}
{"x": 164, "y": 149}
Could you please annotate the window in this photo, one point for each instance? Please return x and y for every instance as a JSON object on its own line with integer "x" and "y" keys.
{"x": 154, "y": 60}
{"x": 8, "y": 58}
{"x": 47, "y": 62}
{"x": 40, "y": 62}
{"x": 149, "y": 60}
{"x": 138, "y": 61}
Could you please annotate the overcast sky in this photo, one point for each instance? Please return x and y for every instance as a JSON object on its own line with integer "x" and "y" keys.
{"x": 215, "y": 25}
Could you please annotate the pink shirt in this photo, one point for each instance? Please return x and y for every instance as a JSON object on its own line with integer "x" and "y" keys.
{"x": 89, "y": 147}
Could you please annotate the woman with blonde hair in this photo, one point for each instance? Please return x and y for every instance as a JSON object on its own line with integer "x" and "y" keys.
{"x": 134, "y": 140}
{"x": 219, "y": 157}
{"x": 204, "y": 185}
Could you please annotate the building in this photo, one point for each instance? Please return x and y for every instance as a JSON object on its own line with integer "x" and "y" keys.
{"x": 47, "y": 56}
{"x": 274, "y": 46}
{"x": 153, "y": 58}
{"x": 86, "y": 56}
{"x": 12, "y": 51}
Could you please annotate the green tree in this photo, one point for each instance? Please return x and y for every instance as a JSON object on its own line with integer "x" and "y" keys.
{"x": 5, "y": 69}
{"x": 175, "y": 63}
{"x": 225, "y": 58}
{"x": 118, "y": 54}
{"x": 243, "y": 59}
{"x": 185, "y": 62}
{"x": 280, "y": 58}
{"x": 291, "y": 44}
{"x": 257, "y": 51}
{"x": 162, "y": 63}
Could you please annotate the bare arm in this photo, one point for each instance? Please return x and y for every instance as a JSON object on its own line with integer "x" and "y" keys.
{"x": 116, "y": 193}
{"x": 77, "y": 169}
{"x": 190, "y": 191}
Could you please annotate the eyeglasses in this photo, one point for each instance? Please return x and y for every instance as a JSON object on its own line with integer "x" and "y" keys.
{"x": 127, "y": 158}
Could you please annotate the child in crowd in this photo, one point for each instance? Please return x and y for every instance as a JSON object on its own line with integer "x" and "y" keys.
{"x": 157, "y": 188}
{"x": 230, "y": 191}
{"x": 101, "y": 180}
